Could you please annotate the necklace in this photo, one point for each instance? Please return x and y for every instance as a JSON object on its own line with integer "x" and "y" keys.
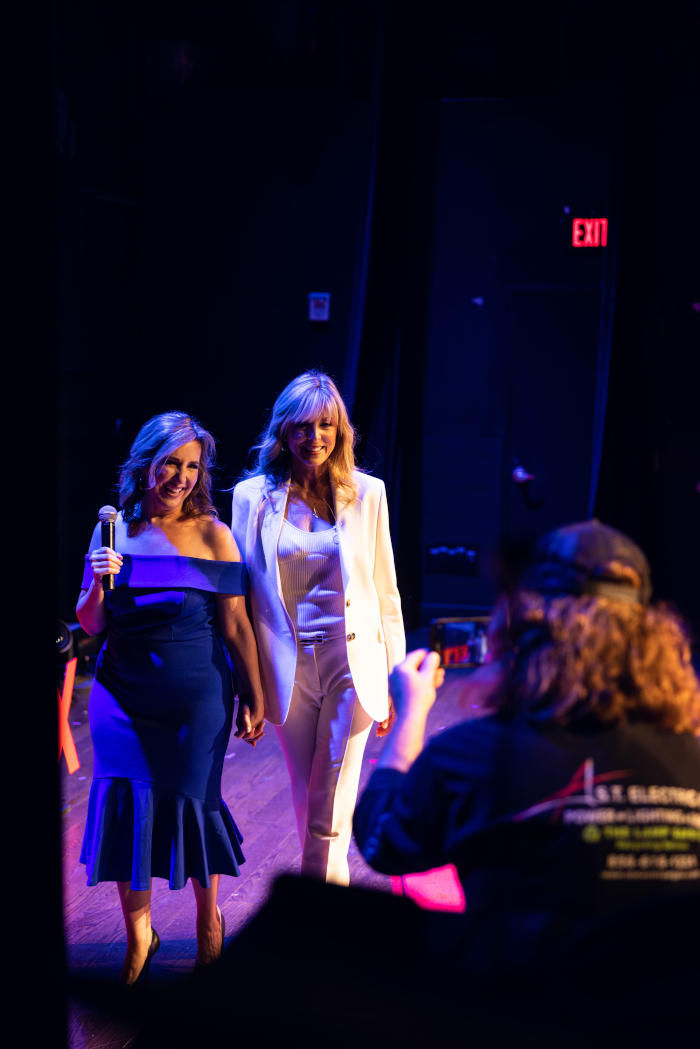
{"x": 313, "y": 508}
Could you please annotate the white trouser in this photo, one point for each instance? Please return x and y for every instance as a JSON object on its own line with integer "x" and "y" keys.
{"x": 323, "y": 740}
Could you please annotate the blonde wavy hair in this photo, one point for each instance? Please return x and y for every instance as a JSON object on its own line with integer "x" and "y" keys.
{"x": 589, "y": 657}
{"x": 309, "y": 396}
{"x": 155, "y": 442}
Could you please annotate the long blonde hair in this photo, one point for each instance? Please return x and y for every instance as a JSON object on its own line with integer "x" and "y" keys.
{"x": 307, "y": 397}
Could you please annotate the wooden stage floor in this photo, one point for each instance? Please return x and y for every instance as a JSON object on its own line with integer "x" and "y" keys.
{"x": 256, "y": 789}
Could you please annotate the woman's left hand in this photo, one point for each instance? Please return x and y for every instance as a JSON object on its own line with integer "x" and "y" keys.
{"x": 384, "y": 727}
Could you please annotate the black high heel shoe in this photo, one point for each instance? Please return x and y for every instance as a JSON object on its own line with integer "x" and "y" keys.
{"x": 198, "y": 966}
{"x": 141, "y": 980}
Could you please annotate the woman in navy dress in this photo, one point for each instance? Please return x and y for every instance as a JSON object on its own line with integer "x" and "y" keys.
{"x": 161, "y": 707}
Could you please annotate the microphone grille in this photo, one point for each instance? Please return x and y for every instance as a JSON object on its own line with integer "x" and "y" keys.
{"x": 107, "y": 514}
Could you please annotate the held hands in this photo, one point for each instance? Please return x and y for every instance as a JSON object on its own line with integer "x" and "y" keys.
{"x": 105, "y": 561}
{"x": 250, "y": 725}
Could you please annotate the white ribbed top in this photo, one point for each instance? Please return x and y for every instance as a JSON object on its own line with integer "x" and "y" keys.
{"x": 312, "y": 583}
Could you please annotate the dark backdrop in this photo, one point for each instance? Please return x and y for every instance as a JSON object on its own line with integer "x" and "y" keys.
{"x": 513, "y": 331}
{"x": 213, "y": 173}
{"x": 216, "y": 165}
{"x": 213, "y": 163}
{"x": 651, "y": 461}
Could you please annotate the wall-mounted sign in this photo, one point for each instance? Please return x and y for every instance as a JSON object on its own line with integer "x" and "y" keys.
{"x": 319, "y": 306}
{"x": 589, "y": 233}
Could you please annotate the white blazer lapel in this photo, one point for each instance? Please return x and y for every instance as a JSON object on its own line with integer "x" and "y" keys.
{"x": 348, "y": 520}
{"x": 273, "y": 519}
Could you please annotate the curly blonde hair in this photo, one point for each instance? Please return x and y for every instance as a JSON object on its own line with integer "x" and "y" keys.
{"x": 586, "y": 656}
{"x": 310, "y": 395}
{"x": 156, "y": 440}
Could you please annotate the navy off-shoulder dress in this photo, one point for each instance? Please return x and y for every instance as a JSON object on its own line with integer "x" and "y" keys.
{"x": 161, "y": 711}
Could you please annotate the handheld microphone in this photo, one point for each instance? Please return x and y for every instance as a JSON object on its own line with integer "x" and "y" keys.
{"x": 108, "y": 516}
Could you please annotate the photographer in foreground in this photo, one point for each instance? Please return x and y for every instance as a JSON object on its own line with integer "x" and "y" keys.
{"x": 576, "y": 800}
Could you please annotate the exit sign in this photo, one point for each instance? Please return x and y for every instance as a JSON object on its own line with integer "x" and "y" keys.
{"x": 589, "y": 233}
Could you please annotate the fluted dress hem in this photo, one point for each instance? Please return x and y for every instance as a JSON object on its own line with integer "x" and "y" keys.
{"x": 137, "y": 831}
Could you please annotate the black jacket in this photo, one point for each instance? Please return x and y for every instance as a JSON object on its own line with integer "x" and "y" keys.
{"x": 550, "y": 830}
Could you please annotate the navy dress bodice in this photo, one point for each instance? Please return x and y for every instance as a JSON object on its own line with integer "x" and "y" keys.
{"x": 165, "y": 615}
{"x": 161, "y": 712}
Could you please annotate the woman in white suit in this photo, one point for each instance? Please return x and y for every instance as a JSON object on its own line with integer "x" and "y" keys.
{"x": 314, "y": 533}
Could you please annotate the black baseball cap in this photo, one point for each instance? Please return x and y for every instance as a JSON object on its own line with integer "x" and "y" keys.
{"x": 575, "y": 559}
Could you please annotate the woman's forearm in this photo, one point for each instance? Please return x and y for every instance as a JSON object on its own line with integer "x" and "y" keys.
{"x": 90, "y": 610}
{"x": 240, "y": 641}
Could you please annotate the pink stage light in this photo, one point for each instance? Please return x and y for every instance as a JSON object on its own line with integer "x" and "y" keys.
{"x": 435, "y": 890}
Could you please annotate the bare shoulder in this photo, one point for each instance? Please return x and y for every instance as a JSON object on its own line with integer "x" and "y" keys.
{"x": 121, "y": 533}
{"x": 218, "y": 538}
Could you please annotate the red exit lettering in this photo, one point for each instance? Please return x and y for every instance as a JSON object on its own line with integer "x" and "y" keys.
{"x": 589, "y": 233}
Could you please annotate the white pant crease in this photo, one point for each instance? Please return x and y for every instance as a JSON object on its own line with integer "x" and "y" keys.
{"x": 323, "y": 740}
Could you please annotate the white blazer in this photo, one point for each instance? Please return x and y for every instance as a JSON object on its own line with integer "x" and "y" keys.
{"x": 373, "y": 622}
